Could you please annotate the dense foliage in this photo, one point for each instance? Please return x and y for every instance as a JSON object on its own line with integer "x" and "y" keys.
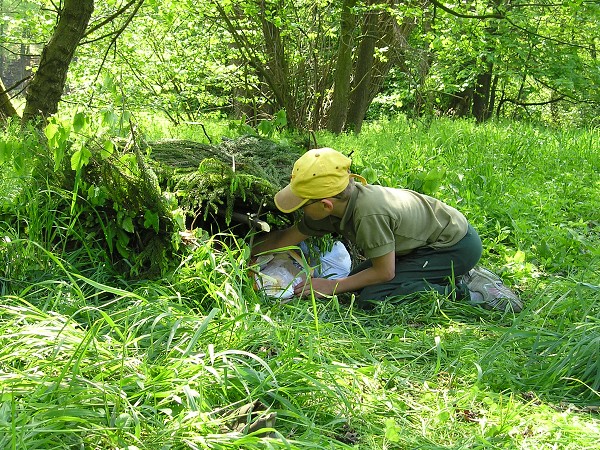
{"x": 317, "y": 60}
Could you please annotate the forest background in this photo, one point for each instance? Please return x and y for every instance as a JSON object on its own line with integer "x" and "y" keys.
{"x": 121, "y": 329}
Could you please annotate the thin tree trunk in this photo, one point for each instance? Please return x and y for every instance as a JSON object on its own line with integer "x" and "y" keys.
{"x": 47, "y": 86}
{"x": 6, "y": 107}
{"x": 278, "y": 66}
{"x": 481, "y": 95}
{"x": 394, "y": 37}
{"x": 362, "y": 77}
{"x": 343, "y": 70}
{"x": 380, "y": 29}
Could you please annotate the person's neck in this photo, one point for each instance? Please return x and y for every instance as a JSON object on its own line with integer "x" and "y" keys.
{"x": 339, "y": 207}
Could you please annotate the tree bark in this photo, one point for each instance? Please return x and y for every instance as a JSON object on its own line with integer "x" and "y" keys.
{"x": 343, "y": 70}
{"x": 481, "y": 95}
{"x": 6, "y": 107}
{"x": 363, "y": 73}
{"x": 47, "y": 86}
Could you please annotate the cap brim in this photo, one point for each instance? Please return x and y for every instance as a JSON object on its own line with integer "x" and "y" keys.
{"x": 287, "y": 202}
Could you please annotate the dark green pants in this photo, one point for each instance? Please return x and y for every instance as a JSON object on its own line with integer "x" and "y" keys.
{"x": 426, "y": 269}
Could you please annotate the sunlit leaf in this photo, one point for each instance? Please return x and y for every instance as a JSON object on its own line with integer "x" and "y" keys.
{"x": 392, "y": 430}
{"x": 80, "y": 158}
{"x": 107, "y": 150}
{"x": 151, "y": 220}
{"x": 79, "y": 122}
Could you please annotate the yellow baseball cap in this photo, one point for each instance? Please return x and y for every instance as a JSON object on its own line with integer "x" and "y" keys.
{"x": 319, "y": 173}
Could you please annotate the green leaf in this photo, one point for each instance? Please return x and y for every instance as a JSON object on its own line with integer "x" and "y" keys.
{"x": 151, "y": 220}
{"x": 59, "y": 154}
{"x": 79, "y": 122}
{"x": 107, "y": 150}
{"x": 108, "y": 83}
{"x": 433, "y": 180}
{"x": 392, "y": 430}
{"x": 122, "y": 243}
{"x": 179, "y": 218}
{"x": 265, "y": 128}
{"x": 370, "y": 175}
{"x": 109, "y": 118}
{"x": 124, "y": 420}
{"x": 280, "y": 119}
{"x": 5, "y": 152}
{"x": 50, "y": 131}
{"x": 19, "y": 164}
{"x": 97, "y": 195}
{"x": 80, "y": 158}
{"x": 127, "y": 224}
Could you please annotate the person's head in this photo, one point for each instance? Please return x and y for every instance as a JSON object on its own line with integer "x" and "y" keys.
{"x": 322, "y": 173}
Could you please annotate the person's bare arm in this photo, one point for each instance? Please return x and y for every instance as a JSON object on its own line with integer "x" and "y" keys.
{"x": 277, "y": 239}
{"x": 382, "y": 270}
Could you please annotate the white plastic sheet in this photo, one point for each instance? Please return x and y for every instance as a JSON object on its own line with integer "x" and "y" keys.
{"x": 278, "y": 273}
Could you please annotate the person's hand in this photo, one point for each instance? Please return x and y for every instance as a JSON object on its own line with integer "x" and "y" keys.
{"x": 322, "y": 287}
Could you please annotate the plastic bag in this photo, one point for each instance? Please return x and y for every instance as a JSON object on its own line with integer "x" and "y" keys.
{"x": 279, "y": 273}
{"x": 334, "y": 264}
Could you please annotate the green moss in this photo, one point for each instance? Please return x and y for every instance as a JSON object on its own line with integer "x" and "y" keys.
{"x": 236, "y": 175}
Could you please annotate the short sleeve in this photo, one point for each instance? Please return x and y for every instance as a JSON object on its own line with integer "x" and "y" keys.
{"x": 375, "y": 236}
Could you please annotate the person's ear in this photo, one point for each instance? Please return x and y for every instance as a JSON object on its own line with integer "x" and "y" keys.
{"x": 327, "y": 204}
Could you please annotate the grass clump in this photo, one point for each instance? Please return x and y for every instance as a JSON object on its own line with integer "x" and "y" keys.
{"x": 91, "y": 358}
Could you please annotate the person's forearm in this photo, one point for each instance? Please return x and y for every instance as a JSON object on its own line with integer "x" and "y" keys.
{"x": 324, "y": 286}
{"x": 277, "y": 239}
{"x": 265, "y": 242}
{"x": 383, "y": 269}
{"x": 360, "y": 280}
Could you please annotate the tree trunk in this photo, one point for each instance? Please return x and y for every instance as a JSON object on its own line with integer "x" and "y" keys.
{"x": 343, "y": 70}
{"x": 481, "y": 95}
{"x": 278, "y": 67}
{"x": 484, "y": 92}
{"x": 380, "y": 29}
{"x": 362, "y": 76}
{"x": 423, "y": 104}
{"x": 6, "y": 107}
{"x": 47, "y": 86}
{"x": 393, "y": 36}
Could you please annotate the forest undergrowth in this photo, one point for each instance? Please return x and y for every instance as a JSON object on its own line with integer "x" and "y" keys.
{"x": 196, "y": 358}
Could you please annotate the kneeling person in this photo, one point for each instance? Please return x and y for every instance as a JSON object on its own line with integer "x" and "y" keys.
{"x": 412, "y": 242}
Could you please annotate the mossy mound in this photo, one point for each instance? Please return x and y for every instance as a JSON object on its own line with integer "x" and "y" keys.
{"x": 145, "y": 193}
{"x": 240, "y": 175}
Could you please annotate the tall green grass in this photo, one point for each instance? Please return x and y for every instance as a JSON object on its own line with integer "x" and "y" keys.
{"x": 90, "y": 359}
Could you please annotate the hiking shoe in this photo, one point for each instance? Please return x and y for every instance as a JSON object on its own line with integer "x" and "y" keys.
{"x": 495, "y": 294}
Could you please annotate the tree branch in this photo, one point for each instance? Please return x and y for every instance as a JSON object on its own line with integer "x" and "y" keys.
{"x": 516, "y": 102}
{"x": 113, "y": 16}
{"x": 466, "y": 16}
{"x": 117, "y": 33}
{"x": 246, "y": 49}
{"x": 549, "y": 38}
{"x": 6, "y": 90}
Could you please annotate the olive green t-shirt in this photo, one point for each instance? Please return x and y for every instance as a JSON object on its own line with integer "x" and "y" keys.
{"x": 380, "y": 220}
